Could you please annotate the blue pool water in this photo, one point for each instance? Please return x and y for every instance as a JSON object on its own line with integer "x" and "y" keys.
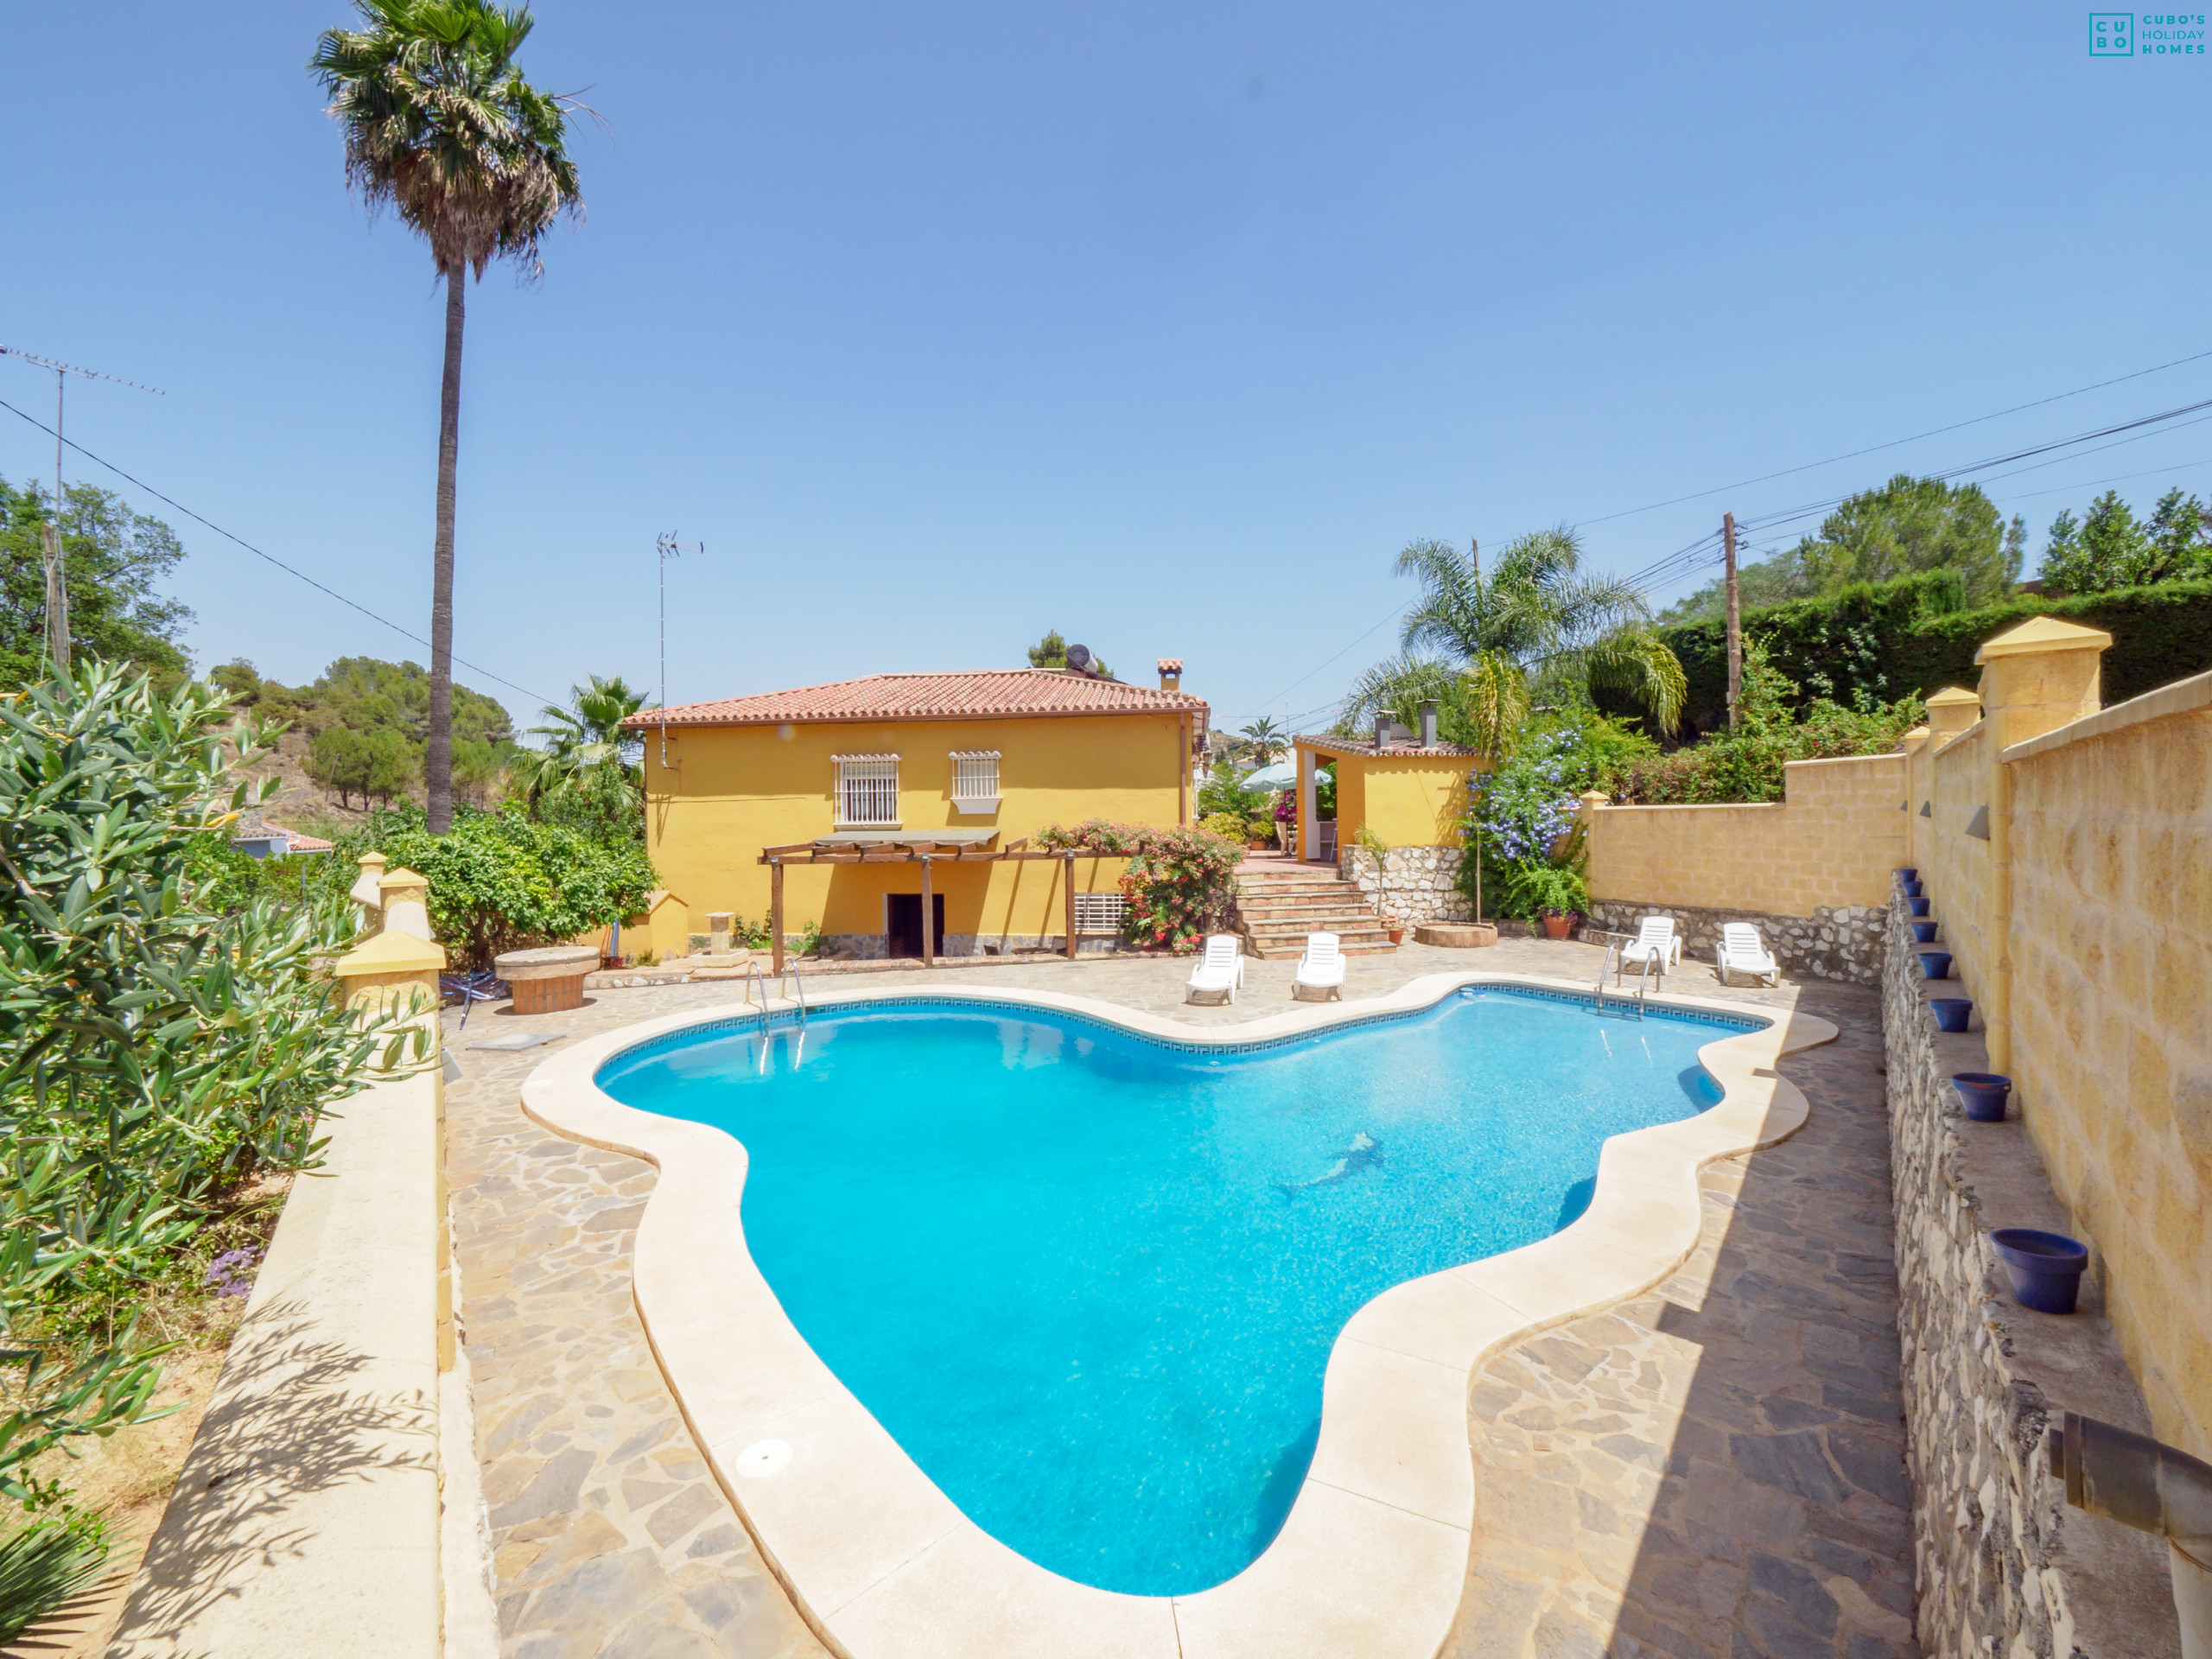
{"x": 1089, "y": 1282}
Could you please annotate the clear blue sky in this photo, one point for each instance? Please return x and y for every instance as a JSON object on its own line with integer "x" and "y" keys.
{"x": 1164, "y": 324}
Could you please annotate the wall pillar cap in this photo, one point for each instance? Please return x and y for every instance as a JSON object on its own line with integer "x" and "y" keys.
{"x": 1951, "y": 696}
{"x": 368, "y": 887}
{"x": 2041, "y": 634}
{"x": 390, "y": 953}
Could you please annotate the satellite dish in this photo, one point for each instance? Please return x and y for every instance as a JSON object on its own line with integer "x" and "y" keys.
{"x": 1080, "y": 657}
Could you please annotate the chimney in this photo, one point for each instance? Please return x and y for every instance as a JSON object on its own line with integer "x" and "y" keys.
{"x": 1171, "y": 673}
{"x": 1382, "y": 724}
{"x": 1429, "y": 724}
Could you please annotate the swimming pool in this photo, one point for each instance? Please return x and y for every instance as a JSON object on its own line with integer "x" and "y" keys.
{"x": 1089, "y": 1280}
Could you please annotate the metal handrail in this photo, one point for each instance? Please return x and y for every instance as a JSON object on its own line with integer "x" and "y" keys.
{"x": 1643, "y": 984}
{"x": 1603, "y": 968}
{"x": 791, "y": 975}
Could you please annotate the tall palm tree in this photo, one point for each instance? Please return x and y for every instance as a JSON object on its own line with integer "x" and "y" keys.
{"x": 1533, "y": 623}
{"x": 585, "y": 744}
{"x": 441, "y": 127}
{"x": 1262, "y": 741}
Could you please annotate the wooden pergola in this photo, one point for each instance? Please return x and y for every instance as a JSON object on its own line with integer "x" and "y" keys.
{"x": 955, "y": 847}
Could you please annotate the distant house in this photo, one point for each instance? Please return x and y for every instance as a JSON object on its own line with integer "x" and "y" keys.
{"x": 257, "y": 838}
{"x": 878, "y": 773}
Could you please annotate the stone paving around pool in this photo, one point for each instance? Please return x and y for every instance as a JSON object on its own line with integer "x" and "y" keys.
{"x": 1713, "y": 1468}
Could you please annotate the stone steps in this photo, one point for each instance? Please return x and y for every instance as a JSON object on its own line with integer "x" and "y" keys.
{"x": 1280, "y": 910}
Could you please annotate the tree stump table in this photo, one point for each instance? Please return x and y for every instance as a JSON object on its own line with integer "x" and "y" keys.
{"x": 1464, "y": 936}
{"x": 547, "y": 981}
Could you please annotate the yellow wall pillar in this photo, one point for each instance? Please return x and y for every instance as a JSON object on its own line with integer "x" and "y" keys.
{"x": 1915, "y": 826}
{"x": 2035, "y": 679}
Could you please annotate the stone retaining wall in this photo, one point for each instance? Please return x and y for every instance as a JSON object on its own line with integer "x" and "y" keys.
{"x": 1416, "y": 884}
{"x": 2002, "y": 1566}
{"x": 1835, "y": 942}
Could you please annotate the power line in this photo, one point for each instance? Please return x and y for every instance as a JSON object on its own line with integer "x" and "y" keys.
{"x": 1629, "y": 513}
{"x": 1318, "y": 667}
{"x": 288, "y": 569}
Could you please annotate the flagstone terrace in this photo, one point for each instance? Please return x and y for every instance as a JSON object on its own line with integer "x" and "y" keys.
{"x": 1714, "y": 1467}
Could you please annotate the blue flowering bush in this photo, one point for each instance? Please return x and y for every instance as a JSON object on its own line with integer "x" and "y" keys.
{"x": 1521, "y": 819}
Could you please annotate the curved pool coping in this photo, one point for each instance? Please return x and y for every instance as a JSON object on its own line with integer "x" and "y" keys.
{"x": 1372, "y": 1560}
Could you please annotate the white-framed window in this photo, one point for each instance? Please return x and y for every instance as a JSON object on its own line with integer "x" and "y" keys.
{"x": 975, "y": 780}
{"x": 867, "y": 791}
{"x": 1099, "y": 912}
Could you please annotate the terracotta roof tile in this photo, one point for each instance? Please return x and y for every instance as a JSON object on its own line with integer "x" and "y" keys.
{"x": 984, "y": 694}
{"x": 1328, "y": 745}
{"x": 300, "y": 843}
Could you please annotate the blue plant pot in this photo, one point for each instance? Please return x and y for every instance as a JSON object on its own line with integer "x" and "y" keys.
{"x": 2045, "y": 1269}
{"x": 1912, "y": 889}
{"x": 1950, "y": 1012}
{"x": 1982, "y": 1093}
{"x": 1924, "y": 932}
{"x": 1918, "y": 906}
{"x": 1936, "y": 964}
{"x": 1907, "y": 874}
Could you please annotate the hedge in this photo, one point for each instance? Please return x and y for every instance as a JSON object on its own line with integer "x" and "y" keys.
{"x": 1911, "y": 635}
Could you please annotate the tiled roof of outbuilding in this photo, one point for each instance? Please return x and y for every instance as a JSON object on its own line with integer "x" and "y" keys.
{"x": 983, "y": 694}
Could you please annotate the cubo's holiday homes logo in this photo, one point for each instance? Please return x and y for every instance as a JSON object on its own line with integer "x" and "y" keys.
{"x": 2146, "y": 35}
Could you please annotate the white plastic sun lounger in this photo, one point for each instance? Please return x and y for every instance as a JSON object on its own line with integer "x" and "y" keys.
{"x": 1742, "y": 951}
{"x": 1322, "y": 967}
{"x": 1221, "y": 967}
{"x": 1655, "y": 942}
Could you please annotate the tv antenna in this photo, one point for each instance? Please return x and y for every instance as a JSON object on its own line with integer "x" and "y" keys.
{"x": 57, "y": 585}
{"x": 668, "y": 548}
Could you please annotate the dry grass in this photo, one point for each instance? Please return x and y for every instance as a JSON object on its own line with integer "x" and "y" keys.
{"x": 128, "y": 1475}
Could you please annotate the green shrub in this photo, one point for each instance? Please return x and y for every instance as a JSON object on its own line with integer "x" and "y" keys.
{"x": 1181, "y": 881}
{"x": 1881, "y": 643}
{"x": 1224, "y": 790}
{"x": 1746, "y": 764}
{"x": 502, "y": 881}
{"x": 1543, "y": 888}
{"x": 162, "y": 1034}
{"x": 1228, "y": 825}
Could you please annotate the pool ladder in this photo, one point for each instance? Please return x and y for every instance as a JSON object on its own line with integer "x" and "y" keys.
{"x": 787, "y": 982}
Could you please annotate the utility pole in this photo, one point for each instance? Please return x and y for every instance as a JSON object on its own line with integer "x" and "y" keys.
{"x": 1735, "y": 621}
{"x": 668, "y": 548}
{"x": 57, "y": 581}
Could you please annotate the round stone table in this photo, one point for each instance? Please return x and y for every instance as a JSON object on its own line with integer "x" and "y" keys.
{"x": 548, "y": 979}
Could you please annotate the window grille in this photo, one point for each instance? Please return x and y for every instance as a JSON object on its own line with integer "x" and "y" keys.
{"x": 867, "y": 789}
{"x": 1099, "y": 912}
{"x": 975, "y": 780}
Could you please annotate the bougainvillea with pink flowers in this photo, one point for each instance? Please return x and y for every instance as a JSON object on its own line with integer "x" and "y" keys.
{"x": 1180, "y": 884}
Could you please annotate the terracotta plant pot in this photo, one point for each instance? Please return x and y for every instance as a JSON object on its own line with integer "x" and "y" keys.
{"x": 1256, "y": 846}
{"x": 1558, "y": 927}
{"x": 1397, "y": 935}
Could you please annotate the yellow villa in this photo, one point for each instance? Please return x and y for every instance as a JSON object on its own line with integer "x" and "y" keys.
{"x": 896, "y": 812}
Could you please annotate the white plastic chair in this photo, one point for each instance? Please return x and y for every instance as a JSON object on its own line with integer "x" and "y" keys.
{"x": 1655, "y": 942}
{"x": 1221, "y": 967}
{"x": 1322, "y": 967}
{"x": 1742, "y": 951}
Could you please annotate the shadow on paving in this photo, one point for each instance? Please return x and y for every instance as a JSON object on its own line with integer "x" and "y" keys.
{"x": 1715, "y": 1470}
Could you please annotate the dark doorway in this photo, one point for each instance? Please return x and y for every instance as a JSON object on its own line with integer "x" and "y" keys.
{"x": 904, "y": 937}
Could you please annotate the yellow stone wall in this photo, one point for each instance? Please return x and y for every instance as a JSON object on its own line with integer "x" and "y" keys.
{"x": 729, "y": 791}
{"x": 2112, "y": 1030}
{"x": 1832, "y": 840}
